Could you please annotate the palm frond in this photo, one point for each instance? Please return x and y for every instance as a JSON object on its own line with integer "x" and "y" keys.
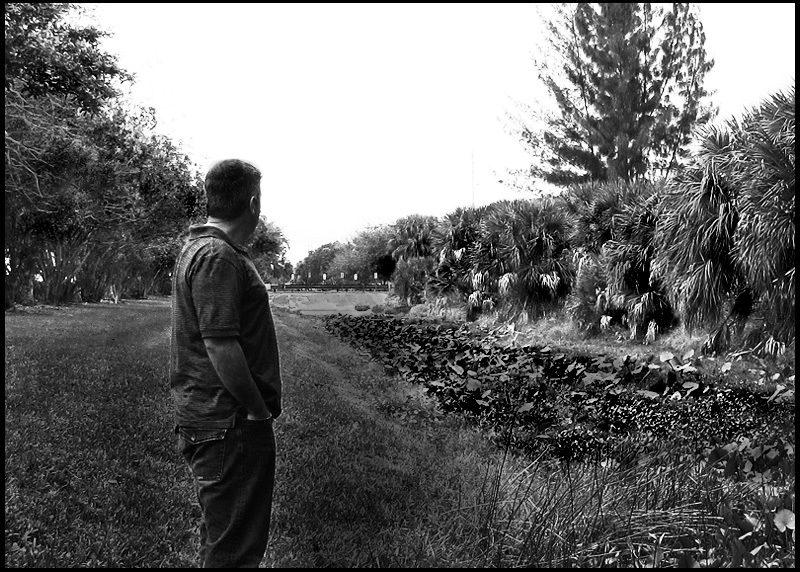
{"x": 727, "y": 224}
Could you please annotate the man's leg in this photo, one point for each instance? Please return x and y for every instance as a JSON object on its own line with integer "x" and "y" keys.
{"x": 236, "y": 500}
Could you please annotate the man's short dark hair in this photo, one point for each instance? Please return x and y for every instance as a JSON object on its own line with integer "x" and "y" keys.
{"x": 229, "y": 186}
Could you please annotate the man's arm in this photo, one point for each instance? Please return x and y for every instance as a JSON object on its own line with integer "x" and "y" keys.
{"x": 230, "y": 364}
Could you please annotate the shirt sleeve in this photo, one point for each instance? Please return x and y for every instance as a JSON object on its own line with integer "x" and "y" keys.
{"x": 217, "y": 287}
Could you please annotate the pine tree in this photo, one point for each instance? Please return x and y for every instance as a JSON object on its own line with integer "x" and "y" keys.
{"x": 627, "y": 80}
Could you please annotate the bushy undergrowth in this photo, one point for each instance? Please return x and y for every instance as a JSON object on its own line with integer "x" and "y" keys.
{"x": 609, "y": 410}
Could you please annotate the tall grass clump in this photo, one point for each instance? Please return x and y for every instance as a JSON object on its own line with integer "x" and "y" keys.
{"x": 667, "y": 510}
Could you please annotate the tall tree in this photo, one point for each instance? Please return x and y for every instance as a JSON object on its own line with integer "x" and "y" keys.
{"x": 48, "y": 55}
{"x": 52, "y": 66}
{"x": 627, "y": 80}
{"x": 268, "y": 250}
{"x": 113, "y": 204}
{"x": 55, "y": 71}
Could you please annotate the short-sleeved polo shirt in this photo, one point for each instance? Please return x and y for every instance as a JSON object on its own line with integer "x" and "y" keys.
{"x": 217, "y": 292}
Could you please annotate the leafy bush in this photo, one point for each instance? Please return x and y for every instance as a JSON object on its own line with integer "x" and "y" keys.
{"x": 411, "y": 277}
{"x": 539, "y": 389}
{"x": 586, "y": 305}
{"x": 510, "y": 256}
{"x": 613, "y": 226}
{"x": 454, "y": 239}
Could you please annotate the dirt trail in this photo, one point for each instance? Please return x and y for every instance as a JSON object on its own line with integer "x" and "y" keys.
{"x": 313, "y": 358}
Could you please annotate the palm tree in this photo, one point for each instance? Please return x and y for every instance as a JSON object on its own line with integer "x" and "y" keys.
{"x": 726, "y": 229}
{"x": 627, "y": 259}
{"x": 695, "y": 234}
{"x": 523, "y": 255}
{"x": 412, "y": 249}
{"x": 765, "y": 236}
{"x": 413, "y": 237}
{"x": 612, "y": 237}
{"x": 591, "y": 207}
{"x": 456, "y": 235}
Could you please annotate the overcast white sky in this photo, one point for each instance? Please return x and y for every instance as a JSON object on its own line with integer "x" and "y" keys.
{"x": 359, "y": 114}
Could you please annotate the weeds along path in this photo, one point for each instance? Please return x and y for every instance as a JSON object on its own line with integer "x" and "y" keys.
{"x": 367, "y": 468}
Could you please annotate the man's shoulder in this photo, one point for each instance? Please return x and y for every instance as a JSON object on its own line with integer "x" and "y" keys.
{"x": 202, "y": 255}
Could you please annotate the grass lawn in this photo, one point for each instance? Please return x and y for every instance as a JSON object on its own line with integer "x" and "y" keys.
{"x": 91, "y": 472}
{"x": 369, "y": 472}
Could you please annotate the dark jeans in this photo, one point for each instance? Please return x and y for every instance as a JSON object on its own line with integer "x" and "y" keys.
{"x": 234, "y": 475}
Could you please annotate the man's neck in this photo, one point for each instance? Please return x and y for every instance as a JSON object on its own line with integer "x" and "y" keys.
{"x": 232, "y": 228}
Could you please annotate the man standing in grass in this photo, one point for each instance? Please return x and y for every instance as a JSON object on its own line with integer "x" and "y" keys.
{"x": 224, "y": 371}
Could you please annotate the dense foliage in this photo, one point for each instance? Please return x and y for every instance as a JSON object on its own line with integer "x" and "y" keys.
{"x": 610, "y": 410}
{"x": 623, "y": 252}
{"x": 47, "y": 56}
{"x": 267, "y": 248}
{"x": 96, "y": 202}
{"x": 312, "y": 268}
{"x": 738, "y": 197}
{"x": 364, "y": 257}
{"x": 586, "y": 405}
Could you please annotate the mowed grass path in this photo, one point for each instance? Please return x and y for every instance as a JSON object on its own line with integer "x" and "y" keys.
{"x": 367, "y": 467}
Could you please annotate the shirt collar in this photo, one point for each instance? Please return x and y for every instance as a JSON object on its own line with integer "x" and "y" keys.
{"x": 206, "y": 230}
